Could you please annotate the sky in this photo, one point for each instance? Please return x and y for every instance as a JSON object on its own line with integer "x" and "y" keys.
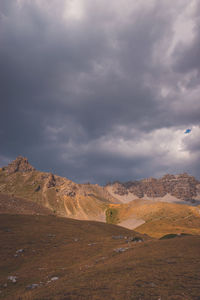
{"x": 98, "y": 90}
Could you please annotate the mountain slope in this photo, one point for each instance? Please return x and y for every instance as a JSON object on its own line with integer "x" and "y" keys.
{"x": 16, "y": 205}
{"x": 60, "y": 195}
{"x": 156, "y": 219}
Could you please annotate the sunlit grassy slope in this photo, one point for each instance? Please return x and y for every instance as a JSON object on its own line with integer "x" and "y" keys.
{"x": 63, "y": 197}
{"x": 160, "y": 218}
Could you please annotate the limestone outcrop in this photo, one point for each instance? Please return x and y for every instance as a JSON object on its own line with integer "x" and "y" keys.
{"x": 183, "y": 186}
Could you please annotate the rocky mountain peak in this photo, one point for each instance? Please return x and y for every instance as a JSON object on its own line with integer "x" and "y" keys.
{"x": 20, "y": 164}
{"x": 182, "y": 186}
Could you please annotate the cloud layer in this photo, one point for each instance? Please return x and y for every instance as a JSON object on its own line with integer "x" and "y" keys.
{"x": 96, "y": 91}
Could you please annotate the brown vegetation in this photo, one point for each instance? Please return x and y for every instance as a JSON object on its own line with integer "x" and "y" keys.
{"x": 71, "y": 259}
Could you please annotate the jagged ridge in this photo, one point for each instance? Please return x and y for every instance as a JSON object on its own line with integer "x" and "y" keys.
{"x": 183, "y": 187}
{"x": 60, "y": 195}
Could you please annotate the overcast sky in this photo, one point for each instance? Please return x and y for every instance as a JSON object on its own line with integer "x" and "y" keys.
{"x": 99, "y": 90}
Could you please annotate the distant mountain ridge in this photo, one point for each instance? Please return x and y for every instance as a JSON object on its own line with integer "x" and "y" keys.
{"x": 136, "y": 204}
{"x": 183, "y": 186}
{"x": 175, "y": 187}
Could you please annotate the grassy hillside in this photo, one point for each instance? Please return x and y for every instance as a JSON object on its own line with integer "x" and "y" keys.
{"x": 160, "y": 218}
{"x": 60, "y": 195}
{"x": 71, "y": 259}
{"x": 15, "y": 205}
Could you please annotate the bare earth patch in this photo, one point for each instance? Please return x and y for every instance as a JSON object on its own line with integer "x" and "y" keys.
{"x": 131, "y": 223}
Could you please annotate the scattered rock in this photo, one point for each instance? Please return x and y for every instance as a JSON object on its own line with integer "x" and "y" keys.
{"x": 118, "y": 237}
{"x": 135, "y": 239}
{"x": 100, "y": 259}
{"x": 128, "y": 239}
{"x": 54, "y": 278}
{"x": 70, "y": 190}
{"x": 20, "y": 251}
{"x": 12, "y": 278}
{"x": 51, "y": 181}
{"x": 32, "y": 286}
{"x": 119, "y": 250}
{"x": 71, "y": 194}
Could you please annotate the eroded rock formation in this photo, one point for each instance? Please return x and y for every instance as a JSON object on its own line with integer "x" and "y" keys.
{"x": 181, "y": 186}
{"x": 20, "y": 164}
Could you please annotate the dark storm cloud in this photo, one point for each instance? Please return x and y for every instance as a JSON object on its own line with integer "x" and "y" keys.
{"x": 74, "y": 89}
{"x": 187, "y": 55}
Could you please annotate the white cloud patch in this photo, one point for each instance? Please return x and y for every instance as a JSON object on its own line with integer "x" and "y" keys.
{"x": 74, "y": 10}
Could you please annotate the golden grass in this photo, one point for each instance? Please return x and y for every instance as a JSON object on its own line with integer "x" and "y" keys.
{"x": 87, "y": 203}
{"x": 161, "y": 218}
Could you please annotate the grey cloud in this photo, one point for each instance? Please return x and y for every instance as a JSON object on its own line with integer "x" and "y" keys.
{"x": 186, "y": 55}
{"x": 71, "y": 82}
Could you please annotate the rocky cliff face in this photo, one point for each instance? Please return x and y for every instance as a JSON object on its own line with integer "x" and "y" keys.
{"x": 20, "y": 164}
{"x": 183, "y": 187}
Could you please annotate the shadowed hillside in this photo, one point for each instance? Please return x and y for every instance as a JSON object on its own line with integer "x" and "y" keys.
{"x": 14, "y": 205}
{"x": 45, "y": 257}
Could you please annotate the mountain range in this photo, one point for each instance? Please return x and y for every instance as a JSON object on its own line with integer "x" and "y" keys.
{"x": 160, "y": 203}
